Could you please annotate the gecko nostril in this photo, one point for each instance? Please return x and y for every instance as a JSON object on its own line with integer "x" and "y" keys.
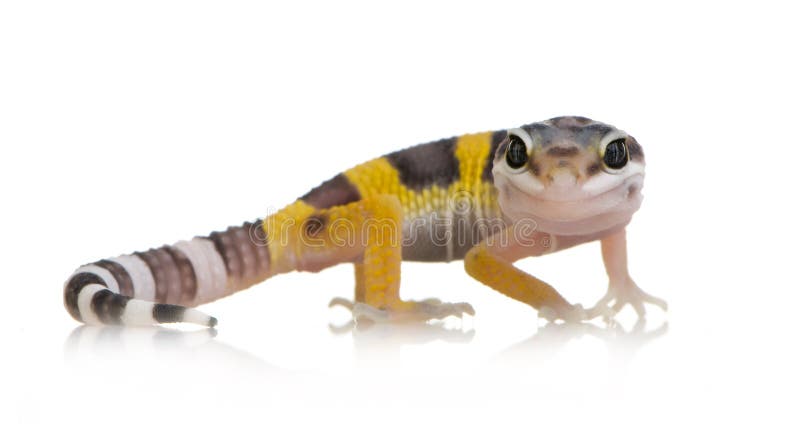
{"x": 632, "y": 189}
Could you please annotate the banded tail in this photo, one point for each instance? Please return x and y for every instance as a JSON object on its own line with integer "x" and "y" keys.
{"x": 162, "y": 285}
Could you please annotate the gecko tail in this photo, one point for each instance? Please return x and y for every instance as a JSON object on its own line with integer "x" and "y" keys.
{"x": 164, "y": 285}
{"x": 88, "y": 299}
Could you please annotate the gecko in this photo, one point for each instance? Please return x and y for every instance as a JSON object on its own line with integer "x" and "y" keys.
{"x": 488, "y": 198}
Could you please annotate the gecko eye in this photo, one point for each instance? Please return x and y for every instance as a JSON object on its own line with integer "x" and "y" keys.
{"x": 616, "y": 154}
{"x": 517, "y": 154}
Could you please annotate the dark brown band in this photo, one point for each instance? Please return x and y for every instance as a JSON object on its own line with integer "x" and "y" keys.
{"x": 333, "y": 192}
{"x": 188, "y": 280}
{"x": 159, "y": 275}
{"x": 421, "y": 166}
{"x": 121, "y": 275}
{"x": 74, "y": 287}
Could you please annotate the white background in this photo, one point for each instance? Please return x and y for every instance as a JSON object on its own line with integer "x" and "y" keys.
{"x": 128, "y": 125}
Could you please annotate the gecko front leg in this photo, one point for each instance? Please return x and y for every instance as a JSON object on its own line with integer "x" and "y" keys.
{"x": 621, "y": 288}
{"x": 491, "y": 262}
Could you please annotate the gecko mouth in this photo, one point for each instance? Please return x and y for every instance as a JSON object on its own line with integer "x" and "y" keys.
{"x": 575, "y": 199}
{"x": 575, "y": 211}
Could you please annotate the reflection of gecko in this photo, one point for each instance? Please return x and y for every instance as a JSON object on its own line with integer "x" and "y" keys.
{"x": 490, "y": 198}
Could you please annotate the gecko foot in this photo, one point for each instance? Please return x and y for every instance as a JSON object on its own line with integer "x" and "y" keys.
{"x": 408, "y": 311}
{"x": 574, "y": 314}
{"x": 627, "y": 293}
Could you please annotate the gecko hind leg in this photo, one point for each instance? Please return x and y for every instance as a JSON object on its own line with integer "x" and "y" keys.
{"x": 377, "y": 273}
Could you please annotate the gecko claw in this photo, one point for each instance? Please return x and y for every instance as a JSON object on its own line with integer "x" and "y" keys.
{"x": 342, "y": 302}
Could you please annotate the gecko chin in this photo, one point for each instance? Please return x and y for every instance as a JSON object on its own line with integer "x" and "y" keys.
{"x": 574, "y": 210}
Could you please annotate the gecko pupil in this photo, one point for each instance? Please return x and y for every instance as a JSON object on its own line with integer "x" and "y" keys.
{"x": 517, "y": 155}
{"x": 616, "y": 155}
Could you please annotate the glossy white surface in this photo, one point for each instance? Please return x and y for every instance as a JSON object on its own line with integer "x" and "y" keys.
{"x": 127, "y": 127}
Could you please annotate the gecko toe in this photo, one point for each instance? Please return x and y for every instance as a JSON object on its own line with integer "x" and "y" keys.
{"x": 363, "y": 311}
{"x": 627, "y": 293}
{"x": 342, "y": 302}
{"x": 421, "y": 311}
{"x": 573, "y": 314}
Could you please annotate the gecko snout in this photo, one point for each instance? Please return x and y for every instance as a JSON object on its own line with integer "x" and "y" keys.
{"x": 562, "y": 176}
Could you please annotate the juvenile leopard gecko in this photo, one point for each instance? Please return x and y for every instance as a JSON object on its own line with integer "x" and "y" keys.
{"x": 489, "y": 198}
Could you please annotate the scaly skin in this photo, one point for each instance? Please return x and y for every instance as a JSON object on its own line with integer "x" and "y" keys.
{"x": 489, "y": 198}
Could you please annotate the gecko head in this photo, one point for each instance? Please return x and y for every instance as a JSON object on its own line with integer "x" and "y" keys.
{"x": 572, "y": 175}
